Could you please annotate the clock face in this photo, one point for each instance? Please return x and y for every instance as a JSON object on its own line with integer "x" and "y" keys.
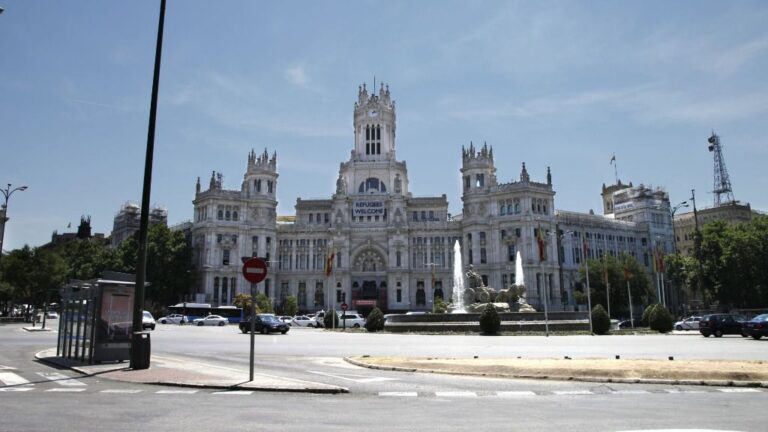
{"x": 373, "y": 113}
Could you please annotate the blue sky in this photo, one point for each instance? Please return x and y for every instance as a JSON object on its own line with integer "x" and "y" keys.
{"x": 564, "y": 84}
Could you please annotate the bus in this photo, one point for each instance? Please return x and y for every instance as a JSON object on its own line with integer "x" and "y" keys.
{"x": 201, "y": 310}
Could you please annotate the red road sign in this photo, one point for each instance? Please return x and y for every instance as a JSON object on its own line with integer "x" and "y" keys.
{"x": 344, "y": 306}
{"x": 255, "y": 270}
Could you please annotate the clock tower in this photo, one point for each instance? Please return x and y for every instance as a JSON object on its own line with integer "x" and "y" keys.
{"x": 374, "y": 123}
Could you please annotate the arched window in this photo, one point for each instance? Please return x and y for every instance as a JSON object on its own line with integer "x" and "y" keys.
{"x": 372, "y": 185}
{"x": 502, "y": 208}
{"x": 234, "y": 215}
{"x": 220, "y": 215}
{"x": 517, "y": 206}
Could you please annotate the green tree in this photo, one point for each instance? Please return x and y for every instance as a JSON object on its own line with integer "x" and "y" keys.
{"x": 439, "y": 306}
{"x": 660, "y": 319}
{"x": 33, "y": 274}
{"x": 264, "y": 304}
{"x": 89, "y": 258}
{"x": 169, "y": 263}
{"x": 331, "y": 319}
{"x": 618, "y": 270}
{"x": 290, "y": 306}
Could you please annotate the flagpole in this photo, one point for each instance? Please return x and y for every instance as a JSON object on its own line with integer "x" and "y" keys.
{"x": 589, "y": 297}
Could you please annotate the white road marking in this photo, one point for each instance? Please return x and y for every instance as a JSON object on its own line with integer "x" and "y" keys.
{"x": 630, "y": 392}
{"x": 354, "y": 377}
{"x": 66, "y": 390}
{"x": 336, "y": 362}
{"x": 401, "y": 394}
{"x": 456, "y": 394}
{"x": 515, "y": 393}
{"x": 61, "y": 379}
{"x": 10, "y": 378}
{"x": 572, "y": 392}
{"x": 16, "y": 389}
{"x": 739, "y": 390}
{"x": 2, "y": 367}
{"x": 125, "y": 391}
{"x": 176, "y": 391}
{"x": 233, "y": 392}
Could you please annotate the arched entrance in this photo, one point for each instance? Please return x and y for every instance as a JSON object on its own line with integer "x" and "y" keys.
{"x": 369, "y": 281}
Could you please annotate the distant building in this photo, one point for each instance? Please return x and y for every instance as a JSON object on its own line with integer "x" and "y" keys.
{"x": 83, "y": 233}
{"x": 128, "y": 219}
{"x": 685, "y": 224}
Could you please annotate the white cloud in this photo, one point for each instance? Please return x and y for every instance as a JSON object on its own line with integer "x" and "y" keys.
{"x": 297, "y": 75}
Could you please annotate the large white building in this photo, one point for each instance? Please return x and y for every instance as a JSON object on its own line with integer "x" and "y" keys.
{"x": 390, "y": 249}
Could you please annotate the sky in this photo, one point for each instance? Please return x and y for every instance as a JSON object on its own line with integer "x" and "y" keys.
{"x": 560, "y": 84}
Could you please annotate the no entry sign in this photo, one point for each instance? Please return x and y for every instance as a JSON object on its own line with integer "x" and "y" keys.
{"x": 255, "y": 270}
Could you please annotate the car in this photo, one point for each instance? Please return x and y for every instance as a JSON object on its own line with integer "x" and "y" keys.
{"x": 757, "y": 327}
{"x": 352, "y": 320}
{"x": 721, "y": 324}
{"x": 304, "y": 321}
{"x": 51, "y": 315}
{"x": 286, "y": 319}
{"x": 173, "y": 319}
{"x": 264, "y": 324}
{"x": 690, "y": 323}
{"x": 147, "y": 321}
{"x": 625, "y": 324}
{"x": 214, "y": 320}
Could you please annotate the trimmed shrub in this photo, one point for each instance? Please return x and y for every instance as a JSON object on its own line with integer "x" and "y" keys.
{"x": 331, "y": 319}
{"x": 647, "y": 314}
{"x": 490, "y": 323}
{"x": 439, "y": 306}
{"x": 290, "y": 306}
{"x": 660, "y": 319}
{"x": 601, "y": 322}
{"x": 375, "y": 321}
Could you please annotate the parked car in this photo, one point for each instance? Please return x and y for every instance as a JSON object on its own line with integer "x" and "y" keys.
{"x": 286, "y": 319}
{"x": 264, "y": 323}
{"x": 352, "y": 320}
{"x": 52, "y": 315}
{"x": 147, "y": 321}
{"x": 721, "y": 324}
{"x": 625, "y": 324}
{"x": 304, "y": 321}
{"x": 173, "y": 319}
{"x": 757, "y": 327}
{"x": 214, "y": 320}
{"x": 690, "y": 323}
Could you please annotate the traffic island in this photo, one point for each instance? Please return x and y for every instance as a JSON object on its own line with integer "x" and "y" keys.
{"x": 677, "y": 372}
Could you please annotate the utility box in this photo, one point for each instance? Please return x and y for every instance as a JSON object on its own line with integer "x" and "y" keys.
{"x": 96, "y": 322}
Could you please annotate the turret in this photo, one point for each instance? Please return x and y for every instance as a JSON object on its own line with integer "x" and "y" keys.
{"x": 261, "y": 176}
{"x": 477, "y": 168}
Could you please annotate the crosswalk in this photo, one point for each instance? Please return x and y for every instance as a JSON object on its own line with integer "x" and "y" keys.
{"x": 56, "y": 382}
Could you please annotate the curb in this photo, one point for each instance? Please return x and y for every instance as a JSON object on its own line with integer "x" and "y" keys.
{"x": 334, "y": 390}
{"x": 717, "y": 383}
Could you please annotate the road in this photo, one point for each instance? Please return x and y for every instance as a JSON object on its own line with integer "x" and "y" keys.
{"x": 378, "y": 400}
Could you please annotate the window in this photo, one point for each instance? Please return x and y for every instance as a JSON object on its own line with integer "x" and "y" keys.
{"x": 398, "y": 258}
{"x": 218, "y": 238}
{"x": 511, "y": 253}
{"x": 225, "y": 257}
{"x": 269, "y": 186}
{"x": 311, "y": 217}
{"x": 482, "y": 256}
{"x": 234, "y": 215}
{"x": 399, "y": 295}
{"x": 255, "y": 246}
{"x": 220, "y": 214}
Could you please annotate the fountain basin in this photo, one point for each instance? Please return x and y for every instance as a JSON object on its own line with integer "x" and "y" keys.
{"x": 470, "y": 322}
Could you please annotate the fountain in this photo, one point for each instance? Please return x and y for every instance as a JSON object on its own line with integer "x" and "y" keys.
{"x": 468, "y": 301}
{"x": 458, "y": 281}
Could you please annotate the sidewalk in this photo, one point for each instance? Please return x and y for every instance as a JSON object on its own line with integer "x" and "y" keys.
{"x": 180, "y": 372}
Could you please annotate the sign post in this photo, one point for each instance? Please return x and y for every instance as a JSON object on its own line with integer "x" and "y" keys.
{"x": 254, "y": 271}
{"x": 344, "y": 308}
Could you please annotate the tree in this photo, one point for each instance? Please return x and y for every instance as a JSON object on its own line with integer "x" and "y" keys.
{"x": 264, "y": 304}
{"x": 439, "y": 306}
{"x": 660, "y": 319}
{"x": 619, "y": 270}
{"x": 89, "y": 258}
{"x": 490, "y": 323}
{"x": 243, "y": 301}
{"x": 375, "y": 320}
{"x": 601, "y": 323}
{"x": 169, "y": 263}
{"x": 290, "y": 306}
{"x": 33, "y": 273}
{"x": 331, "y": 319}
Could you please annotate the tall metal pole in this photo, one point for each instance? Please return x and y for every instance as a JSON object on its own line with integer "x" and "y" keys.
{"x": 589, "y": 297}
{"x": 7, "y": 192}
{"x": 141, "y": 264}
{"x": 629, "y": 297}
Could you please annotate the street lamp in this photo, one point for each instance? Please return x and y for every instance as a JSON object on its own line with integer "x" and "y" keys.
{"x": 673, "y": 211}
{"x": 7, "y": 192}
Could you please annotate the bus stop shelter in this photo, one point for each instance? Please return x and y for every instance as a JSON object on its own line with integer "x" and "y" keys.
{"x": 96, "y": 319}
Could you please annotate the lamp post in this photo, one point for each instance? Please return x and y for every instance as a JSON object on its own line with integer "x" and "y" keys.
{"x": 672, "y": 213}
{"x": 139, "y": 345}
{"x": 7, "y": 192}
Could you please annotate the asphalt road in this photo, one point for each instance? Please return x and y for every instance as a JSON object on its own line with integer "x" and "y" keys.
{"x": 378, "y": 400}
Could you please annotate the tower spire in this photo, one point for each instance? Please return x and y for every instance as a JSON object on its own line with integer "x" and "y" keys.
{"x": 721, "y": 179}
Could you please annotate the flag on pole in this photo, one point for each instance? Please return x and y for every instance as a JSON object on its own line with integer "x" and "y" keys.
{"x": 613, "y": 159}
{"x": 69, "y": 225}
{"x": 586, "y": 249}
{"x": 605, "y": 270}
{"x": 659, "y": 260}
{"x": 329, "y": 262}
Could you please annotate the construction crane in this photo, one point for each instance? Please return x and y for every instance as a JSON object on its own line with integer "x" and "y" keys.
{"x": 722, "y": 181}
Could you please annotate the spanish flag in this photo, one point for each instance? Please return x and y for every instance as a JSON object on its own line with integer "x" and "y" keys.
{"x": 329, "y": 263}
